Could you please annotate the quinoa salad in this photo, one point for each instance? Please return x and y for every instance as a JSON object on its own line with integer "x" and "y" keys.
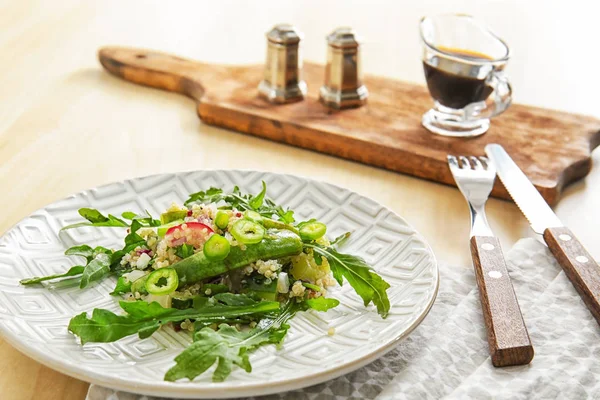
{"x": 230, "y": 269}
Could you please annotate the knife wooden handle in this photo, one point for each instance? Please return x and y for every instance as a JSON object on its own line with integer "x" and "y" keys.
{"x": 507, "y": 334}
{"x": 578, "y": 264}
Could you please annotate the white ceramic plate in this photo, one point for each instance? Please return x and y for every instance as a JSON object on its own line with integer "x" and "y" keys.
{"x": 34, "y": 320}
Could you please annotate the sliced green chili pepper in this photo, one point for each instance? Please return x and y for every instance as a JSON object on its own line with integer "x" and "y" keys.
{"x": 162, "y": 281}
{"x": 312, "y": 230}
{"x": 216, "y": 247}
{"x": 222, "y": 219}
{"x": 247, "y": 232}
{"x": 253, "y": 216}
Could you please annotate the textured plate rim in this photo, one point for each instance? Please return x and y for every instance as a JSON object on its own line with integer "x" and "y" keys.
{"x": 213, "y": 390}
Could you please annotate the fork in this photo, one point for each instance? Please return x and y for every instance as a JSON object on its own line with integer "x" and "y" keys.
{"x": 507, "y": 334}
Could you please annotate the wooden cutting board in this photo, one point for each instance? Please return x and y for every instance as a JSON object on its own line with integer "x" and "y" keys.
{"x": 552, "y": 147}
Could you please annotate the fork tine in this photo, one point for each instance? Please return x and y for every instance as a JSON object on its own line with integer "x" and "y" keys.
{"x": 486, "y": 163}
{"x": 464, "y": 162}
{"x": 476, "y": 163}
{"x": 452, "y": 161}
{"x": 474, "y": 176}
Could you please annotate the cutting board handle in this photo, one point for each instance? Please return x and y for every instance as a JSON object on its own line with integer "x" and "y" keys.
{"x": 156, "y": 69}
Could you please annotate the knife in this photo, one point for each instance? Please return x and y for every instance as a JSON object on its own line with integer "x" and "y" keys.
{"x": 578, "y": 264}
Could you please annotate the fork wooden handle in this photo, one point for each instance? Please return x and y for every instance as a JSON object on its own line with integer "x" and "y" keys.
{"x": 507, "y": 334}
{"x": 578, "y": 264}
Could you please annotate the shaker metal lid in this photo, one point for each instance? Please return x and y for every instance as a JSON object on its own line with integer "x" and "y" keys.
{"x": 343, "y": 37}
{"x": 284, "y": 34}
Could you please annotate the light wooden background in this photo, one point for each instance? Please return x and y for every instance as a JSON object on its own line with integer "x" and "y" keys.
{"x": 65, "y": 125}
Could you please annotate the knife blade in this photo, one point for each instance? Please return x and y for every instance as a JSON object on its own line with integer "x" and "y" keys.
{"x": 528, "y": 199}
{"x": 578, "y": 264}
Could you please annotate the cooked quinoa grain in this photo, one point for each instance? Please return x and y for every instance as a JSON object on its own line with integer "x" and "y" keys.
{"x": 297, "y": 289}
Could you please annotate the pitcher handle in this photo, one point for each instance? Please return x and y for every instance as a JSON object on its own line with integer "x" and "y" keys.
{"x": 497, "y": 103}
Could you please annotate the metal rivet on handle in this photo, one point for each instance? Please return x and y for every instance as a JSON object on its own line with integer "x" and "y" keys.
{"x": 564, "y": 238}
{"x": 582, "y": 259}
{"x": 495, "y": 274}
{"x": 487, "y": 246}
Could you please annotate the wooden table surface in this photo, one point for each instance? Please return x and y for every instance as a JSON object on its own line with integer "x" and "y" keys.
{"x": 66, "y": 125}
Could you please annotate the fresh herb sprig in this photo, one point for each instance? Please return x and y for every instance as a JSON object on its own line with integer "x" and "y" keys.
{"x": 73, "y": 271}
{"x": 366, "y": 283}
{"x": 243, "y": 202}
{"x": 228, "y": 347}
{"x": 145, "y": 318}
{"x": 100, "y": 261}
{"x": 97, "y": 219}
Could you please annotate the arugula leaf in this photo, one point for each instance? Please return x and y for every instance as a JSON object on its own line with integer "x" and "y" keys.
{"x": 96, "y": 218}
{"x": 123, "y": 286}
{"x": 99, "y": 249}
{"x": 285, "y": 216}
{"x": 212, "y": 195}
{"x": 106, "y": 326}
{"x": 96, "y": 269}
{"x": 92, "y": 215}
{"x": 144, "y": 318}
{"x": 184, "y": 251}
{"x": 215, "y": 288}
{"x": 367, "y": 284}
{"x": 257, "y": 201}
{"x": 73, "y": 271}
{"x": 135, "y": 226}
{"x": 234, "y": 299}
{"x": 132, "y": 241}
{"x": 84, "y": 250}
{"x": 115, "y": 261}
{"x": 142, "y": 309}
{"x": 322, "y": 303}
{"x": 228, "y": 346}
{"x": 128, "y": 215}
{"x": 144, "y": 220}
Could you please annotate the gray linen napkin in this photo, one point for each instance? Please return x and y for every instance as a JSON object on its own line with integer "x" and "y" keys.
{"x": 447, "y": 355}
